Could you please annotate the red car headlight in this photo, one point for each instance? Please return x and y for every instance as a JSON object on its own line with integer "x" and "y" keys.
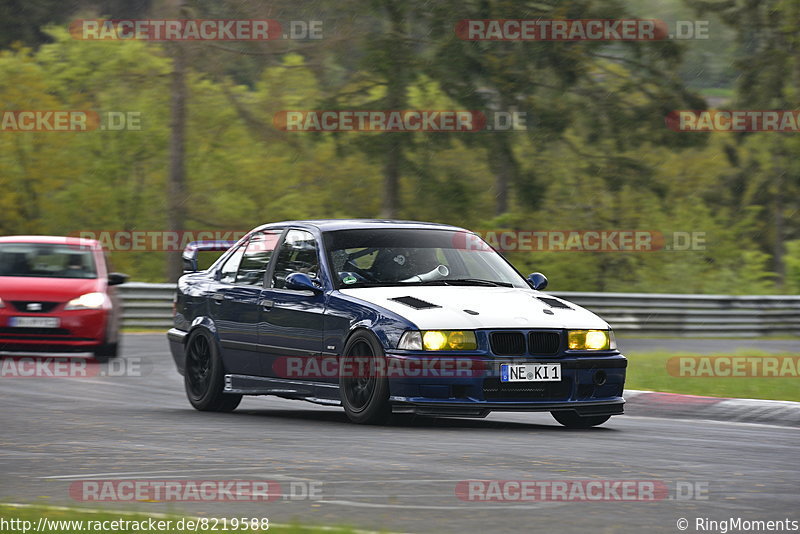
{"x": 87, "y": 301}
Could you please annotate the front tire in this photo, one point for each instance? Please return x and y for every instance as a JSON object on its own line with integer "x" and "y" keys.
{"x": 571, "y": 419}
{"x": 204, "y": 375}
{"x": 365, "y": 398}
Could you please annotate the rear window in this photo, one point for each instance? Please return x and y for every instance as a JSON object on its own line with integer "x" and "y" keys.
{"x": 46, "y": 260}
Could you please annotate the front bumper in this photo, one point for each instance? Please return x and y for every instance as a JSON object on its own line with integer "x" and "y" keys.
{"x": 177, "y": 347}
{"x": 78, "y": 331}
{"x": 475, "y": 408}
{"x": 589, "y": 385}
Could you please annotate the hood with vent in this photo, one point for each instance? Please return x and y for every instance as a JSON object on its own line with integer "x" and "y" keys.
{"x": 475, "y": 307}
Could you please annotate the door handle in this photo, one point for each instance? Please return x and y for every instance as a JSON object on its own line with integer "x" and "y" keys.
{"x": 267, "y": 304}
{"x": 218, "y": 297}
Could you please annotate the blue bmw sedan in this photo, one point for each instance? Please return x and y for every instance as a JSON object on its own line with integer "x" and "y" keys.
{"x": 384, "y": 317}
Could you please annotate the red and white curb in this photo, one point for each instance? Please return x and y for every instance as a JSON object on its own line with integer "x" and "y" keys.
{"x": 657, "y": 404}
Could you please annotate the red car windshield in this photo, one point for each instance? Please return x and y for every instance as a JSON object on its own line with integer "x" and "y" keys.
{"x": 45, "y": 260}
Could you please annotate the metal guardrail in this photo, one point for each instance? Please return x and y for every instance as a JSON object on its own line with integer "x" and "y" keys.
{"x": 694, "y": 315}
{"x": 147, "y": 305}
{"x": 150, "y": 306}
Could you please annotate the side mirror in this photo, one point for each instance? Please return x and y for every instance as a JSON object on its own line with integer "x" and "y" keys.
{"x": 115, "y": 279}
{"x": 189, "y": 258}
{"x": 191, "y": 251}
{"x": 538, "y": 281}
{"x": 189, "y": 265}
{"x": 301, "y": 281}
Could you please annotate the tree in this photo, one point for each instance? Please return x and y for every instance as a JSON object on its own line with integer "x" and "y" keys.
{"x": 768, "y": 35}
{"x": 617, "y": 93}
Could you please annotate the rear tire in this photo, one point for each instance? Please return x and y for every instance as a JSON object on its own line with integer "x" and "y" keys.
{"x": 365, "y": 398}
{"x": 204, "y": 375}
{"x": 571, "y": 419}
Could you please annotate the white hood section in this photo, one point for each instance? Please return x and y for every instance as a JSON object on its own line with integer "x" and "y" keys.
{"x": 497, "y": 307}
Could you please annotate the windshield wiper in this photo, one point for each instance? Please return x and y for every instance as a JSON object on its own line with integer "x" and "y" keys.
{"x": 388, "y": 284}
{"x": 362, "y": 284}
{"x": 460, "y": 282}
{"x": 477, "y": 282}
{"x": 439, "y": 282}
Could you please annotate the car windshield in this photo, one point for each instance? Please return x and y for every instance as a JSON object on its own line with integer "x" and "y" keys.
{"x": 46, "y": 260}
{"x": 383, "y": 257}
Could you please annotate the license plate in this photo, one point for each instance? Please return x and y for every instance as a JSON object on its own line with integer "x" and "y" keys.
{"x": 34, "y": 322}
{"x": 530, "y": 372}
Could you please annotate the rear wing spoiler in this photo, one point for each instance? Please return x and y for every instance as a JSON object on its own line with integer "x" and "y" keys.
{"x": 193, "y": 248}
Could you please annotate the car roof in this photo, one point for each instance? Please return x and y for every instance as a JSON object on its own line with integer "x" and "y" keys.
{"x": 51, "y": 240}
{"x": 332, "y": 225}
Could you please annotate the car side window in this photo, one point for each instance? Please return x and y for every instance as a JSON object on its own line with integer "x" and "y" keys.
{"x": 231, "y": 265}
{"x": 298, "y": 254}
{"x": 256, "y": 257}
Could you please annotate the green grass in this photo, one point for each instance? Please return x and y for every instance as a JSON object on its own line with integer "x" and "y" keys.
{"x": 34, "y": 512}
{"x": 648, "y": 371}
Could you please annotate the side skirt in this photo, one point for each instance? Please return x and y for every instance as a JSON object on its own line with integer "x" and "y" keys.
{"x": 325, "y": 394}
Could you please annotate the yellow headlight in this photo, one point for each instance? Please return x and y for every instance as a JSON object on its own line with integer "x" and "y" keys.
{"x": 449, "y": 340}
{"x": 588, "y": 340}
{"x": 434, "y": 340}
{"x": 596, "y": 340}
{"x": 462, "y": 340}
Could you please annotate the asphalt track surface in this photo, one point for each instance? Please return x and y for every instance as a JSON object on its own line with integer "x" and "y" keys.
{"x": 401, "y": 478}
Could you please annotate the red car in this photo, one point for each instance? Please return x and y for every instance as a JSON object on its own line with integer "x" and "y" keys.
{"x": 56, "y": 295}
